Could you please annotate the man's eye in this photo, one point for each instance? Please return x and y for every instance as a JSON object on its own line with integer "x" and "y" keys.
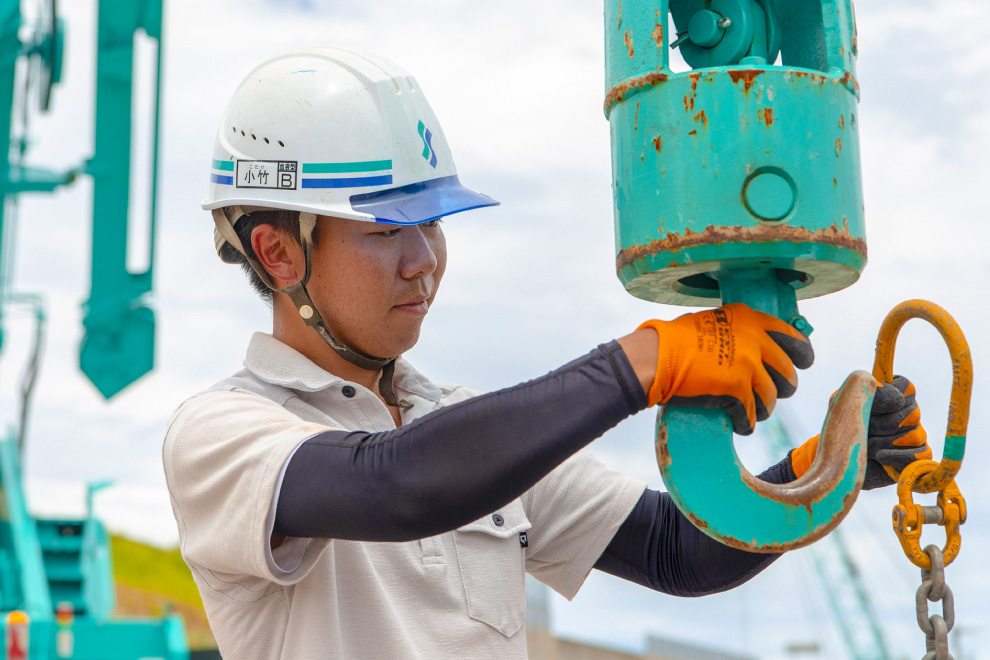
{"x": 389, "y": 233}
{"x": 431, "y": 223}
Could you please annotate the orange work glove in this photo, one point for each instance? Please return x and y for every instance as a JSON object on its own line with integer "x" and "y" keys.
{"x": 731, "y": 357}
{"x": 896, "y": 437}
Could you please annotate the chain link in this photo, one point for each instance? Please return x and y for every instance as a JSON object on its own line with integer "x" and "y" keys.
{"x": 934, "y": 589}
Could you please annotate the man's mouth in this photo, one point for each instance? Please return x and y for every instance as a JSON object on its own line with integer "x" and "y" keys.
{"x": 418, "y": 306}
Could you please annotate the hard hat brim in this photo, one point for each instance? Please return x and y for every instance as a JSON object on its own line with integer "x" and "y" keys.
{"x": 420, "y": 202}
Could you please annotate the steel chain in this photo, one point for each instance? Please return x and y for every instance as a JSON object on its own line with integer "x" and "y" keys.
{"x": 934, "y": 589}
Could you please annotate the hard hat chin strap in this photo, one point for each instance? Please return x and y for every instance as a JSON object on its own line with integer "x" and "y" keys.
{"x": 299, "y": 296}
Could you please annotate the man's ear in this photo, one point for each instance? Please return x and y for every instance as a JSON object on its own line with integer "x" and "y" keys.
{"x": 277, "y": 254}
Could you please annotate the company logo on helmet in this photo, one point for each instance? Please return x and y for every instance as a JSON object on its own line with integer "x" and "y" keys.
{"x": 428, "y": 151}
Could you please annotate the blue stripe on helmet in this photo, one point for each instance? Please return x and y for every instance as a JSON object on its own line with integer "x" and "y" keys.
{"x": 352, "y": 182}
{"x": 220, "y": 178}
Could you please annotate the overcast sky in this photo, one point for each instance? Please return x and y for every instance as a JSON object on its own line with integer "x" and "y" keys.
{"x": 530, "y": 284}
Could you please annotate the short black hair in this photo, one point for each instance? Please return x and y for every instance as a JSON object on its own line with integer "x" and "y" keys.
{"x": 284, "y": 222}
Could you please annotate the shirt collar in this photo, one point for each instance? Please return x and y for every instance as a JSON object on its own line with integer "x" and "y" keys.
{"x": 279, "y": 364}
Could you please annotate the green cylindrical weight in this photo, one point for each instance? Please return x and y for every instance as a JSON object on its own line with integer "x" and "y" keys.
{"x": 733, "y": 167}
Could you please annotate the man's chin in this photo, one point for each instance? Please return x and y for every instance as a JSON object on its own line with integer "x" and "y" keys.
{"x": 394, "y": 345}
{"x": 406, "y": 345}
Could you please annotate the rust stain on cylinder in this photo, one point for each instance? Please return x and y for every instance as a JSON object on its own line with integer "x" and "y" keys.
{"x": 692, "y": 95}
{"x": 626, "y": 39}
{"x": 812, "y": 77}
{"x": 617, "y": 93}
{"x": 702, "y": 118}
{"x": 747, "y": 76}
{"x": 657, "y": 142}
{"x": 838, "y": 147}
{"x": 842, "y": 121}
{"x": 768, "y": 116}
{"x": 692, "y": 132}
{"x": 714, "y": 235}
{"x": 663, "y": 454}
{"x": 848, "y": 78}
{"x": 657, "y": 33}
{"x": 619, "y": 23}
{"x": 636, "y": 120}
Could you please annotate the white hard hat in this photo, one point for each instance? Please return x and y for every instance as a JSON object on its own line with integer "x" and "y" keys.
{"x": 326, "y": 131}
{"x": 339, "y": 133}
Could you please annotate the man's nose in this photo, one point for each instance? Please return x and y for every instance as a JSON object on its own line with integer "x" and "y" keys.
{"x": 418, "y": 256}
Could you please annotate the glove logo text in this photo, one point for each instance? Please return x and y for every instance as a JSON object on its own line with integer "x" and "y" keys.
{"x": 715, "y": 336}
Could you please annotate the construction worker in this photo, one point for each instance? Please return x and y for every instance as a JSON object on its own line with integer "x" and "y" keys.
{"x": 332, "y": 502}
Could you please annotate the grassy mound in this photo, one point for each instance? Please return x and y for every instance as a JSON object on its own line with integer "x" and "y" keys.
{"x": 151, "y": 581}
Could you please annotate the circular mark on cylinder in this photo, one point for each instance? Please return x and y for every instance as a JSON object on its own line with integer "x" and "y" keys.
{"x": 770, "y": 194}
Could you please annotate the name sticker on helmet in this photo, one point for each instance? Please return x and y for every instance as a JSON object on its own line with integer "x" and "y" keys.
{"x": 279, "y": 174}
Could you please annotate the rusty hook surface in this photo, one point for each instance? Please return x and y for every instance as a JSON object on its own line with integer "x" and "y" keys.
{"x": 707, "y": 481}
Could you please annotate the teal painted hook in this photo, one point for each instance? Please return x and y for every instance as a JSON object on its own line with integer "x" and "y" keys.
{"x": 712, "y": 488}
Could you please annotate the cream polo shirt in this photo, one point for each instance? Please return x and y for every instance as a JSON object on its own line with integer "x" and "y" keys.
{"x": 459, "y": 595}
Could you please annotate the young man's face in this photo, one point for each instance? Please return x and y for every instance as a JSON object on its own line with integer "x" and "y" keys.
{"x": 374, "y": 283}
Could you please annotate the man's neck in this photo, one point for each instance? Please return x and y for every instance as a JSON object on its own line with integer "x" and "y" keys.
{"x": 293, "y": 332}
{"x": 290, "y": 329}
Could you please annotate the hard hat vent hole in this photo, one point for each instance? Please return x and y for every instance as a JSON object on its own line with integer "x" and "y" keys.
{"x": 253, "y": 137}
{"x": 242, "y": 133}
{"x": 233, "y": 128}
{"x": 280, "y": 143}
{"x": 266, "y": 141}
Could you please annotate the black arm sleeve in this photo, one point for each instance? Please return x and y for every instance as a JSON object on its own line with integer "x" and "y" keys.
{"x": 457, "y": 463}
{"x": 659, "y": 548}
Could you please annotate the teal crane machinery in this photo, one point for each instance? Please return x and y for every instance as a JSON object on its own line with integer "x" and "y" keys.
{"x": 738, "y": 181}
{"x": 56, "y": 577}
{"x": 765, "y": 124}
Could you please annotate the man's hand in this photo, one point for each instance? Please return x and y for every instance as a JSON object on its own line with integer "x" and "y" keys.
{"x": 896, "y": 436}
{"x": 731, "y": 357}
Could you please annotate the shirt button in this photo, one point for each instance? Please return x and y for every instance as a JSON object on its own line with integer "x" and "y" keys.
{"x": 348, "y": 391}
{"x": 498, "y": 520}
